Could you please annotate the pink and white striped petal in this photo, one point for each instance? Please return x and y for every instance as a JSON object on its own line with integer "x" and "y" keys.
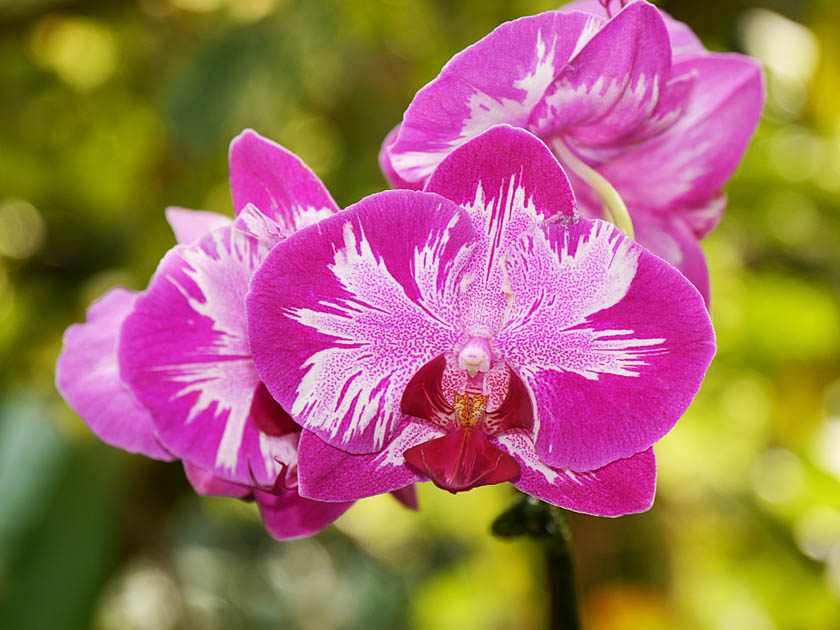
{"x": 613, "y": 85}
{"x": 208, "y": 485}
{"x": 499, "y": 79}
{"x": 288, "y": 515}
{"x": 507, "y": 180}
{"x": 185, "y": 354}
{"x": 277, "y": 182}
{"x": 87, "y": 376}
{"x": 342, "y": 316}
{"x": 330, "y": 474}
{"x": 683, "y": 39}
{"x": 391, "y": 176}
{"x": 626, "y": 486}
{"x": 612, "y": 342}
{"x": 190, "y": 225}
{"x": 688, "y": 163}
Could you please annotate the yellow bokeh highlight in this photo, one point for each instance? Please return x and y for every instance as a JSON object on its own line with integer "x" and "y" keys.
{"x": 83, "y": 52}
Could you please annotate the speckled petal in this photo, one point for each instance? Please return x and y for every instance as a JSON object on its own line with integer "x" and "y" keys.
{"x": 277, "y": 182}
{"x": 87, "y": 376}
{"x": 506, "y": 179}
{"x": 342, "y": 316}
{"x": 330, "y": 474}
{"x": 184, "y": 352}
{"x": 625, "y": 486}
{"x": 612, "y": 341}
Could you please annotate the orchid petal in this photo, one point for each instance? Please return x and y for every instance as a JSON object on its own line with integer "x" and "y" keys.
{"x": 506, "y": 179}
{"x": 252, "y": 222}
{"x": 289, "y": 515}
{"x": 277, "y": 182}
{"x": 87, "y": 376}
{"x": 207, "y": 484}
{"x": 683, "y": 39}
{"x": 626, "y": 486}
{"x": 391, "y": 176}
{"x": 330, "y": 474}
{"x": 499, "y": 79}
{"x": 690, "y": 161}
{"x": 185, "y": 354}
{"x": 670, "y": 238}
{"x": 462, "y": 460}
{"x": 612, "y": 341}
{"x": 407, "y": 496}
{"x": 190, "y": 225}
{"x": 342, "y": 316}
{"x": 612, "y": 86}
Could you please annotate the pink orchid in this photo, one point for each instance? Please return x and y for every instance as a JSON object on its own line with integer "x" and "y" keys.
{"x": 475, "y": 333}
{"x": 628, "y": 100}
{"x": 167, "y": 372}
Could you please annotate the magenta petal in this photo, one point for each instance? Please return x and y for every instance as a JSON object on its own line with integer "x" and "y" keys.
{"x": 391, "y": 176}
{"x": 462, "y": 460}
{"x": 423, "y": 396}
{"x": 612, "y": 85}
{"x": 87, "y": 376}
{"x": 277, "y": 182}
{"x": 184, "y": 352}
{"x": 621, "y": 487}
{"x": 669, "y": 238}
{"x": 690, "y": 162}
{"x": 190, "y": 225}
{"x": 341, "y": 317}
{"x": 498, "y": 79}
{"x": 516, "y": 410}
{"x": 207, "y": 484}
{"x": 612, "y": 341}
{"x": 507, "y": 180}
{"x": 289, "y": 515}
{"x": 329, "y": 474}
{"x": 683, "y": 40}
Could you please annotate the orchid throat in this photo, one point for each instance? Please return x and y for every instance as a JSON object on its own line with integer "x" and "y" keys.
{"x": 466, "y": 456}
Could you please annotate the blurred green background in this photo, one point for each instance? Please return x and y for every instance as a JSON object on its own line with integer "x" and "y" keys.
{"x": 111, "y": 111}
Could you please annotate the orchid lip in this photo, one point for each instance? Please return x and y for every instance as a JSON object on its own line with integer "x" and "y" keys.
{"x": 464, "y": 457}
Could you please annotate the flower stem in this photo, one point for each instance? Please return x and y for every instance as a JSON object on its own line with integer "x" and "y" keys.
{"x": 532, "y": 517}
{"x": 614, "y": 209}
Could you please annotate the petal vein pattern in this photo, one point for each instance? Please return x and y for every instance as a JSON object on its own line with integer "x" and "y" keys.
{"x": 380, "y": 334}
{"x": 223, "y": 370}
{"x": 559, "y": 279}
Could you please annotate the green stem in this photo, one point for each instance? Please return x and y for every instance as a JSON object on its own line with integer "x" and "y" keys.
{"x": 531, "y": 517}
{"x": 614, "y": 209}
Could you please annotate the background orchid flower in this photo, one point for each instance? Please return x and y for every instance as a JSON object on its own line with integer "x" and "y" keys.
{"x": 167, "y": 372}
{"x": 625, "y": 92}
{"x": 476, "y": 333}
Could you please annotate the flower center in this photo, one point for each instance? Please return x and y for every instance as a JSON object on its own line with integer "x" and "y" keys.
{"x": 467, "y": 456}
{"x": 470, "y": 408}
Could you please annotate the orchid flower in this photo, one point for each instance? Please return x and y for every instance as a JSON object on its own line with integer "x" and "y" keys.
{"x": 168, "y": 372}
{"x": 476, "y": 333}
{"x": 642, "y": 117}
